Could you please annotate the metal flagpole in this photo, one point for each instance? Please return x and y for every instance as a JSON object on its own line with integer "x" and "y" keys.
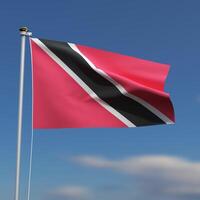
{"x": 23, "y": 32}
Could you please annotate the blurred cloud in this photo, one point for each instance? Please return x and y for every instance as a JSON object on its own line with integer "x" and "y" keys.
{"x": 70, "y": 192}
{"x": 158, "y": 177}
{"x": 198, "y": 98}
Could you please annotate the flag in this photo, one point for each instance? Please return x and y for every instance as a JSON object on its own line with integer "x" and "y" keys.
{"x": 76, "y": 86}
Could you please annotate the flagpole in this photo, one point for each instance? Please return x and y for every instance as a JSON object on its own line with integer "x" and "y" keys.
{"x": 23, "y": 32}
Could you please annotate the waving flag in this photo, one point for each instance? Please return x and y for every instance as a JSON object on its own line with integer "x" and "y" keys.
{"x": 79, "y": 86}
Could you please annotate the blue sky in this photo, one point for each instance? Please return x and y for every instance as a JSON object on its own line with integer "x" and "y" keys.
{"x": 137, "y": 163}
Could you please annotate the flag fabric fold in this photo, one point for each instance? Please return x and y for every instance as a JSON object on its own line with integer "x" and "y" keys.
{"x": 76, "y": 86}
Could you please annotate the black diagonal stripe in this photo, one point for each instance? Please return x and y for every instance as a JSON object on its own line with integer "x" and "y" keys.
{"x": 104, "y": 89}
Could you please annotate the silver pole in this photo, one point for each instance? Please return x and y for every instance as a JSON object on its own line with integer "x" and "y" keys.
{"x": 23, "y": 33}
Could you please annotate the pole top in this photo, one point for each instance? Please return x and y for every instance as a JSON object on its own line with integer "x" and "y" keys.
{"x": 25, "y": 31}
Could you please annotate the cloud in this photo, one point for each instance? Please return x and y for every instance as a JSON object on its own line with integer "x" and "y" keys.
{"x": 71, "y": 192}
{"x": 198, "y": 98}
{"x": 93, "y": 161}
{"x": 157, "y": 176}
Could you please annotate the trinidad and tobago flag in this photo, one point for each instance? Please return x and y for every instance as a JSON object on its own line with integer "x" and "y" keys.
{"x": 79, "y": 86}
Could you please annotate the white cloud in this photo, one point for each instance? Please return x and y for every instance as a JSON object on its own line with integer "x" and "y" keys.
{"x": 198, "y": 98}
{"x": 93, "y": 161}
{"x": 71, "y": 192}
{"x": 156, "y": 175}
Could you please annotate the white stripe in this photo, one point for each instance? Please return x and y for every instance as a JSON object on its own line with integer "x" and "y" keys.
{"x": 32, "y": 134}
{"x": 122, "y": 89}
{"x": 82, "y": 84}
